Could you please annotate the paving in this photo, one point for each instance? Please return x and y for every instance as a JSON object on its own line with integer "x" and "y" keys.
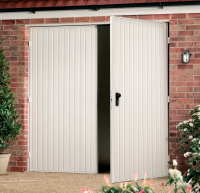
{"x": 18, "y": 182}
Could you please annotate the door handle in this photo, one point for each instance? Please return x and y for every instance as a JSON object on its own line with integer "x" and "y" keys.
{"x": 118, "y": 95}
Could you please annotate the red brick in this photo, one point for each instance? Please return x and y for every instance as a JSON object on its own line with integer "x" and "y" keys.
{"x": 192, "y": 27}
{"x": 176, "y": 50}
{"x": 172, "y": 44}
{"x": 192, "y": 72}
{"x": 21, "y": 37}
{"x": 98, "y": 19}
{"x": 176, "y": 106}
{"x": 8, "y": 22}
{"x": 193, "y": 95}
{"x": 197, "y": 101}
{"x": 185, "y": 66}
{"x": 195, "y": 61}
{"x": 10, "y": 37}
{"x": 17, "y": 169}
{"x": 196, "y": 66}
{"x": 161, "y": 16}
{"x": 174, "y": 151}
{"x": 52, "y": 20}
{"x": 177, "y": 39}
{"x": 67, "y": 20}
{"x": 82, "y": 19}
{"x": 177, "y": 72}
{"x": 185, "y": 100}
{"x": 185, "y": 33}
{"x": 10, "y": 27}
{"x": 176, "y": 117}
{"x": 146, "y": 17}
{"x": 197, "y": 44}
{"x": 193, "y": 15}
{"x": 197, "y": 33}
{"x": 22, "y": 163}
{"x": 23, "y": 21}
{"x": 184, "y": 78}
{"x": 172, "y": 123}
{"x": 196, "y": 89}
{"x": 107, "y": 18}
{"x": 172, "y": 100}
{"x": 16, "y": 43}
{"x": 5, "y": 32}
{"x": 193, "y": 38}
{"x": 177, "y": 16}
{"x": 11, "y": 48}
{"x": 11, "y": 58}
{"x": 177, "y": 83}
{"x": 172, "y": 89}
{"x": 173, "y": 33}
{"x": 192, "y": 83}
{"x": 173, "y": 22}
{"x": 184, "y": 89}
{"x": 194, "y": 49}
{"x": 17, "y": 32}
{"x": 177, "y": 27}
{"x": 185, "y": 21}
{"x": 185, "y": 44}
{"x": 172, "y": 134}
{"x": 183, "y": 112}
{"x": 37, "y": 21}
{"x": 172, "y": 112}
{"x": 177, "y": 95}
{"x": 197, "y": 55}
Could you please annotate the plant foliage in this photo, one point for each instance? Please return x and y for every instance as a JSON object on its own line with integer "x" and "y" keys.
{"x": 9, "y": 126}
{"x": 190, "y": 147}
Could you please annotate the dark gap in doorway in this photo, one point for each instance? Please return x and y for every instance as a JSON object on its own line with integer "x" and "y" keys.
{"x": 103, "y": 98}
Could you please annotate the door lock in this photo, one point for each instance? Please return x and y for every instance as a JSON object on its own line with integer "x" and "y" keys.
{"x": 118, "y": 95}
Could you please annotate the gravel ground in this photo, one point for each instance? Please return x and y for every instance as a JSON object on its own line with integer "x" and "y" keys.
{"x": 17, "y": 182}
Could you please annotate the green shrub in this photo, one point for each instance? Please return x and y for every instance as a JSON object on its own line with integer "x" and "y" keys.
{"x": 190, "y": 147}
{"x": 9, "y": 126}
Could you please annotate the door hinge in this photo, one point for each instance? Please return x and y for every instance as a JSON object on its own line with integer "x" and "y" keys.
{"x": 29, "y": 43}
{"x": 168, "y": 99}
{"x": 29, "y": 154}
{"x": 29, "y": 99}
{"x": 168, "y": 40}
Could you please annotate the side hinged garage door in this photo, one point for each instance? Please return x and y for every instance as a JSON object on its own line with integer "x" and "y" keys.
{"x": 139, "y": 72}
{"x": 63, "y": 108}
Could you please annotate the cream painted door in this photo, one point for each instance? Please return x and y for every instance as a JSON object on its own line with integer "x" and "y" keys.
{"x": 139, "y": 72}
{"x": 63, "y": 107}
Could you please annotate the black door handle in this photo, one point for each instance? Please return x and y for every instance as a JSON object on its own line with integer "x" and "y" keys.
{"x": 118, "y": 95}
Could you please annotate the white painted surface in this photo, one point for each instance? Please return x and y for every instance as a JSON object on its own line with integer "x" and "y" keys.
{"x": 102, "y": 12}
{"x": 63, "y": 110}
{"x": 139, "y": 125}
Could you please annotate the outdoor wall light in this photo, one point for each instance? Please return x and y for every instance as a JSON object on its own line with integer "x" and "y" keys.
{"x": 186, "y": 56}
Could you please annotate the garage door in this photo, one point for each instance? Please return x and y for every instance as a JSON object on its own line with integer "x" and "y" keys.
{"x": 139, "y": 123}
{"x": 63, "y": 108}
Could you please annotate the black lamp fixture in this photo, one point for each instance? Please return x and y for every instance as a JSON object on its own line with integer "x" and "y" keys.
{"x": 186, "y": 56}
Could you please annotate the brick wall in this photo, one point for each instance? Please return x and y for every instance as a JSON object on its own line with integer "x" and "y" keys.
{"x": 184, "y": 78}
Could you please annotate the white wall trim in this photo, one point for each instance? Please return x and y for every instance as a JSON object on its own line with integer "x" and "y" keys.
{"x": 102, "y": 12}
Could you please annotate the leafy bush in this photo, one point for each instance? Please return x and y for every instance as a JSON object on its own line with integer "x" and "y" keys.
{"x": 190, "y": 147}
{"x": 9, "y": 126}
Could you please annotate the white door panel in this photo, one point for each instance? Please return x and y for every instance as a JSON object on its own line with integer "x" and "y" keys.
{"x": 63, "y": 111}
{"x": 139, "y": 125}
